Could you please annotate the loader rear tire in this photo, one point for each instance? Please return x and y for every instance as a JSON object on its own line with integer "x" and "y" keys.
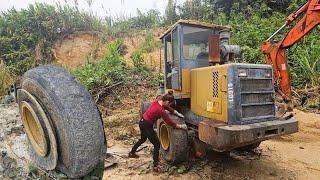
{"x": 249, "y": 147}
{"x": 144, "y": 106}
{"x": 173, "y": 142}
{"x": 73, "y": 117}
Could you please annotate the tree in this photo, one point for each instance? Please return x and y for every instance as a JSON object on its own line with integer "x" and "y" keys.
{"x": 170, "y": 12}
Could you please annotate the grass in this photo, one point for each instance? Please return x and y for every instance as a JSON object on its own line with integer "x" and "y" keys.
{"x": 305, "y": 62}
{"x": 6, "y": 79}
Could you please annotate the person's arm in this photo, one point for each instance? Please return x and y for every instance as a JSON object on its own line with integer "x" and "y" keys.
{"x": 173, "y": 111}
{"x": 168, "y": 120}
{"x": 170, "y": 109}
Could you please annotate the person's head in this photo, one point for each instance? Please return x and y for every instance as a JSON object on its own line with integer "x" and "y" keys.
{"x": 165, "y": 100}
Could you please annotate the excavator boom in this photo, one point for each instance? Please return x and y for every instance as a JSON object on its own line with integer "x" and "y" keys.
{"x": 275, "y": 53}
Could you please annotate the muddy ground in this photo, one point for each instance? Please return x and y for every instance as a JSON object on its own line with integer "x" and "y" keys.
{"x": 12, "y": 144}
{"x": 294, "y": 156}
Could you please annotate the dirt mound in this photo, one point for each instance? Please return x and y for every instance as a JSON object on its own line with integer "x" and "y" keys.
{"x": 134, "y": 41}
{"x": 77, "y": 49}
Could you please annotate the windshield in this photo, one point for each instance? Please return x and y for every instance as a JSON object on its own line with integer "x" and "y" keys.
{"x": 195, "y": 43}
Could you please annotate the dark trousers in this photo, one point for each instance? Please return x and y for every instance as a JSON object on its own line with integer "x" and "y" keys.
{"x": 147, "y": 132}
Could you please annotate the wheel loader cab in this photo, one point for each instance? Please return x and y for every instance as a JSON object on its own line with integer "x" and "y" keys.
{"x": 186, "y": 47}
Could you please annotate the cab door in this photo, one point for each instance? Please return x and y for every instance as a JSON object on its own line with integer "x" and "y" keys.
{"x": 176, "y": 61}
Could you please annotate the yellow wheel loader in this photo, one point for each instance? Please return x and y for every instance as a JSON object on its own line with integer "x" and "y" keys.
{"x": 226, "y": 105}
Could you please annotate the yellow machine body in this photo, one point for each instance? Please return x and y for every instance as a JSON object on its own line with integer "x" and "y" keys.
{"x": 207, "y": 88}
{"x": 209, "y": 92}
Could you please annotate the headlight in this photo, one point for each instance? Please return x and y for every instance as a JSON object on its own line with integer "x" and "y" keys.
{"x": 267, "y": 75}
{"x": 243, "y": 73}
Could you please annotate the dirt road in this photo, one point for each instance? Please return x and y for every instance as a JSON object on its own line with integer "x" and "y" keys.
{"x": 294, "y": 156}
{"x": 291, "y": 157}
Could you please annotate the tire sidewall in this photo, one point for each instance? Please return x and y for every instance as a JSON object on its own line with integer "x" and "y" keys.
{"x": 178, "y": 149}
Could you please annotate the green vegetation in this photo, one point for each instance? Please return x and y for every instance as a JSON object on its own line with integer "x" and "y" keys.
{"x": 148, "y": 46}
{"x": 147, "y": 20}
{"x": 27, "y": 36}
{"x": 113, "y": 70}
{"x": 305, "y": 62}
{"x": 109, "y": 70}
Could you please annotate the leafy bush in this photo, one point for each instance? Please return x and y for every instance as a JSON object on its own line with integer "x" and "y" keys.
{"x": 109, "y": 70}
{"x": 250, "y": 32}
{"x": 112, "y": 69}
{"x": 148, "y": 46}
{"x": 138, "y": 60}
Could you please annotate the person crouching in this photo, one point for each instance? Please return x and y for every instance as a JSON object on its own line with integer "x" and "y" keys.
{"x": 156, "y": 110}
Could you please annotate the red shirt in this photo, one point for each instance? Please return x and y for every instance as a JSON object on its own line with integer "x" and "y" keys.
{"x": 156, "y": 111}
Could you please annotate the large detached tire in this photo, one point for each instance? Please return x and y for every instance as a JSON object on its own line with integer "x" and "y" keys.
{"x": 63, "y": 125}
{"x": 173, "y": 142}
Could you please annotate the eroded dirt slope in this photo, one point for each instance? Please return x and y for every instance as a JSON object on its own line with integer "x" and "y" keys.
{"x": 75, "y": 50}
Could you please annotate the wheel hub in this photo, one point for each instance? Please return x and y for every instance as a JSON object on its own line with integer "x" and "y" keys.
{"x": 164, "y": 137}
{"x": 33, "y": 129}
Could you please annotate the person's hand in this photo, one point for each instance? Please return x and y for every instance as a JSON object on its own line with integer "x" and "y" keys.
{"x": 182, "y": 126}
{"x": 178, "y": 114}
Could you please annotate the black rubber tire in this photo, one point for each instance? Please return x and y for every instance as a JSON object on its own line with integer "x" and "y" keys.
{"x": 144, "y": 106}
{"x": 249, "y": 147}
{"x": 178, "y": 150}
{"x": 74, "y": 116}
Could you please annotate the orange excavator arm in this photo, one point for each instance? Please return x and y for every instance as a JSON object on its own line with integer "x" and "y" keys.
{"x": 275, "y": 53}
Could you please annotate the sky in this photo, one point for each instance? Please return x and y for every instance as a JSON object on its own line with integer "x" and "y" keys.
{"x": 100, "y": 8}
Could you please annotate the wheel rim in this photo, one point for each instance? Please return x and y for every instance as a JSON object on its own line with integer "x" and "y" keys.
{"x": 164, "y": 137}
{"x": 33, "y": 129}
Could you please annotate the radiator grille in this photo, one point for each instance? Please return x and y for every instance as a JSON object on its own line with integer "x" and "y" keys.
{"x": 256, "y": 85}
{"x": 215, "y": 85}
{"x": 257, "y": 97}
{"x": 256, "y": 111}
